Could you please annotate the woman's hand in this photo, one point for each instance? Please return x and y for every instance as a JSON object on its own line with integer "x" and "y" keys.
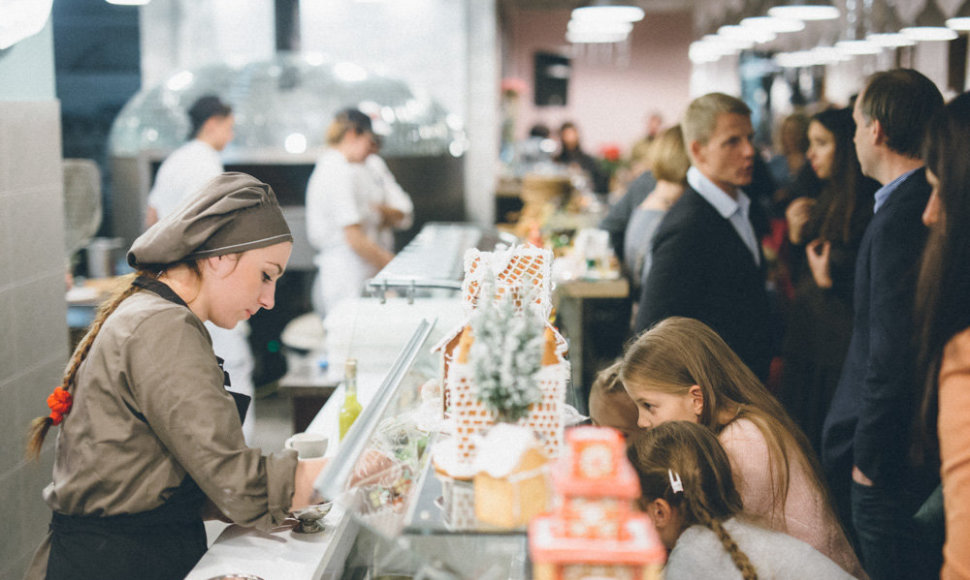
{"x": 818, "y": 252}
{"x": 307, "y": 471}
{"x": 798, "y": 213}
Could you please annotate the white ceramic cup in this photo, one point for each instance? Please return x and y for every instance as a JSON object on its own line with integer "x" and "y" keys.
{"x": 308, "y": 445}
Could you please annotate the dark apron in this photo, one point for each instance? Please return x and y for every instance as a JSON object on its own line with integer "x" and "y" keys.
{"x": 160, "y": 544}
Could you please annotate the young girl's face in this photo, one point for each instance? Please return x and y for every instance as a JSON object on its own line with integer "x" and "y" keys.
{"x": 655, "y": 406}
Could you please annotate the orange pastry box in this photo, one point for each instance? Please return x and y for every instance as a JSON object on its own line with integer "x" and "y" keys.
{"x": 595, "y": 532}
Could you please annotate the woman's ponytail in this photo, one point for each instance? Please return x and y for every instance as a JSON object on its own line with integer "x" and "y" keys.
{"x": 61, "y": 399}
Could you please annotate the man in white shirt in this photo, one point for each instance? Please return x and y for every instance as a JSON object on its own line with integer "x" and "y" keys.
{"x": 190, "y": 166}
{"x": 182, "y": 174}
{"x": 706, "y": 260}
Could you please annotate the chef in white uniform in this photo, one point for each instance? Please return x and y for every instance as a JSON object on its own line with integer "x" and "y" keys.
{"x": 182, "y": 174}
{"x": 396, "y": 207}
{"x": 345, "y": 212}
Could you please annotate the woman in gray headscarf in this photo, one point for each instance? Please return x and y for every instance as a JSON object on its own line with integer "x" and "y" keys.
{"x": 149, "y": 436}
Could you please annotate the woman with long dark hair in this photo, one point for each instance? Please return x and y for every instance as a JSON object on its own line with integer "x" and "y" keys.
{"x": 943, "y": 306}
{"x": 820, "y": 321}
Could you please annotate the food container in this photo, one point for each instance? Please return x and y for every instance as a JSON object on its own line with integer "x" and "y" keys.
{"x": 102, "y": 257}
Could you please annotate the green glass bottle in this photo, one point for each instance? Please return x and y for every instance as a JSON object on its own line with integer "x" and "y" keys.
{"x": 351, "y": 406}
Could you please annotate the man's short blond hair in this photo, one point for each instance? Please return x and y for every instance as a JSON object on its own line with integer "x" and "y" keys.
{"x": 700, "y": 120}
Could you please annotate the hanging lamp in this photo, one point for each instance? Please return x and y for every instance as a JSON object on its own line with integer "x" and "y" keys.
{"x": 773, "y": 24}
{"x": 960, "y": 20}
{"x": 614, "y": 10}
{"x": 805, "y": 10}
{"x": 930, "y": 26}
{"x": 21, "y": 19}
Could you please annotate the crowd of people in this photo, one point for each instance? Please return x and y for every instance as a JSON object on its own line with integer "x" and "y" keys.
{"x": 812, "y": 427}
{"x": 834, "y": 395}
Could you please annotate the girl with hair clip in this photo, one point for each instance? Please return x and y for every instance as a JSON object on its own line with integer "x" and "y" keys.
{"x": 687, "y": 490}
{"x": 149, "y": 438}
{"x": 682, "y": 370}
{"x": 944, "y": 317}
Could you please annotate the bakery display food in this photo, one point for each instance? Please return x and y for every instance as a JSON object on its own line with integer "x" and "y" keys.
{"x": 511, "y": 477}
{"x": 508, "y": 283}
{"x": 595, "y": 531}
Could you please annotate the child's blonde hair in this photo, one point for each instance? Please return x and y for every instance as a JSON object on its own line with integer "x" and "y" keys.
{"x": 679, "y": 353}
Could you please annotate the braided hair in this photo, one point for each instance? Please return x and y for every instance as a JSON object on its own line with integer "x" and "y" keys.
{"x": 689, "y": 455}
{"x": 41, "y": 425}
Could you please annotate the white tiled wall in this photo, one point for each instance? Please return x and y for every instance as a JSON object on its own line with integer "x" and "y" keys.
{"x": 33, "y": 339}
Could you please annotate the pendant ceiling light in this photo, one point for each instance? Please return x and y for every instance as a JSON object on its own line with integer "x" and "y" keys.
{"x": 930, "y": 26}
{"x": 853, "y": 39}
{"x": 746, "y": 32}
{"x": 597, "y": 31}
{"x": 615, "y": 10}
{"x": 773, "y": 24}
{"x": 885, "y": 27}
{"x": 21, "y": 19}
{"x": 960, "y": 20}
{"x": 805, "y": 10}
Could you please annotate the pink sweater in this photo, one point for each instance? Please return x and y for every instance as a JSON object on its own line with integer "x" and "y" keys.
{"x": 806, "y": 516}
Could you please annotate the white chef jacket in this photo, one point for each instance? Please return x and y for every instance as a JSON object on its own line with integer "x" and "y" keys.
{"x": 183, "y": 173}
{"x": 394, "y": 197}
{"x": 340, "y": 194}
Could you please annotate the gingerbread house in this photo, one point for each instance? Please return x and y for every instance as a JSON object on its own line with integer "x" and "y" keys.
{"x": 511, "y": 477}
{"x": 595, "y": 532}
{"x": 521, "y": 274}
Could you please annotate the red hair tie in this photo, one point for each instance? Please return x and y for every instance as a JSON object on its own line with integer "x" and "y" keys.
{"x": 60, "y": 402}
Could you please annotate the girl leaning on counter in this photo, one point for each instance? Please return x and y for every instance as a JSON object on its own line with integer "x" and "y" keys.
{"x": 149, "y": 437}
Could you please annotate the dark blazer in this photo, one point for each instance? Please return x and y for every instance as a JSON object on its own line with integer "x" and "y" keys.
{"x": 870, "y": 417}
{"x": 700, "y": 268}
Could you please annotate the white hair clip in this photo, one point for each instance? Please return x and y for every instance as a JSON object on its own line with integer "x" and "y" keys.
{"x": 675, "y": 483}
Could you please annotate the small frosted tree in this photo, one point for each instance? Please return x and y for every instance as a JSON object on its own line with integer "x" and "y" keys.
{"x": 506, "y": 354}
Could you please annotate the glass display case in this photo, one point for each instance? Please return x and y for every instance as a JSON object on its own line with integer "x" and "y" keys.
{"x": 412, "y": 521}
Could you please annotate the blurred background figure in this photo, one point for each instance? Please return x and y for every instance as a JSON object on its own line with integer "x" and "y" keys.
{"x": 792, "y": 148}
{"x": 343, "y": 213}
{"x": 192, "y": 165}
{"x": 571, "y": 154}
{"x": 395, "y": 205}
{"x": 182, "y": 174}
{"x": 825, "y": 234}
{"x": 670, "y": 164}
{"x": 640, "y": 160}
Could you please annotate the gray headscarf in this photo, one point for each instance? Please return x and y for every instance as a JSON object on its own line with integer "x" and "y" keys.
{"x": 232, "y": 213}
